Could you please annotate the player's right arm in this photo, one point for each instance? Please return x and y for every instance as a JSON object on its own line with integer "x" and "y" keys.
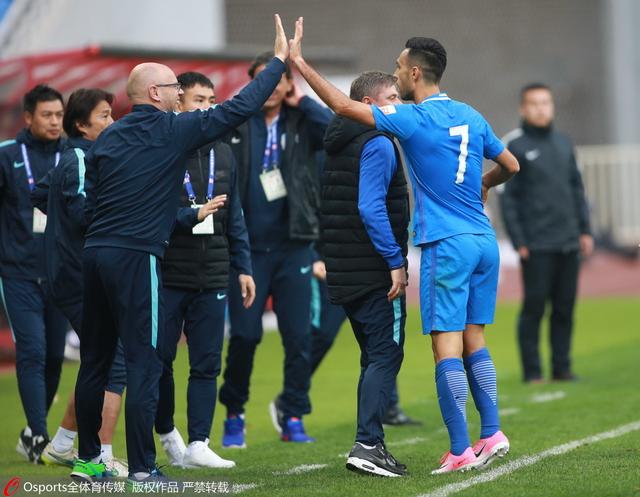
{"x": 340, "y": 103}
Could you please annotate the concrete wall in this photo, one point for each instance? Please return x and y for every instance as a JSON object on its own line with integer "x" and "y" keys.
{"x": 494, "y": 47}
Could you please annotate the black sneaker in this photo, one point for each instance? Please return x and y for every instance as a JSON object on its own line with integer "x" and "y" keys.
{"x": 277, "y": 414}
{"x": 144, "y": 483}
{"x": 395, "y": 416}
{"x": 38, "y": 444}
{"x": 375, "y": 461}
{"x": 24, "y": 446}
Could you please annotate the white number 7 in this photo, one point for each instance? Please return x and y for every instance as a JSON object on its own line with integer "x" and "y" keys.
{"x": 463, "y": 132}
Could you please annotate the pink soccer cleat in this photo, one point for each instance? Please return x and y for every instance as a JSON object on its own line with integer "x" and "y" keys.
{"x": 464, "y": 462}
{"x": 489, "y": 449}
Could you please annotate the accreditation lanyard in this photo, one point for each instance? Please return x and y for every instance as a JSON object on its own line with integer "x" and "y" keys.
{"x": 27, "y": 166}
{"x": 271, "y": 150}
{"x": 212, "y": 172}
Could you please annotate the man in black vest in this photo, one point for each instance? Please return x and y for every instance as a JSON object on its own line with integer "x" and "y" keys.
{"x": 209, "y": 236}
{"x": 279, "y": 187}
{"x": 365, "y": 216}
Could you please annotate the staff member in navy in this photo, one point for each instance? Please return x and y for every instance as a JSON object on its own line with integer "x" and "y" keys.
{"x": 195, "y": 276}
{"x": 279, "y": 187}
{"x": 134, "y": 177}
{"x": 61, "y": 196}
{"x": 37, "y": 326}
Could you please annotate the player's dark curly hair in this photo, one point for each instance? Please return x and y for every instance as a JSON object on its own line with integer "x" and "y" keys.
{"x": 430, "y": 55}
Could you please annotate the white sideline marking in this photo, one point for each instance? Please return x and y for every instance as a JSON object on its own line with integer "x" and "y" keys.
{"x": 529, "y": 460}
{"x": 509, "y": 411}
{"x": 237, "y": 488}
{"x": 548, "y": 397}
{"x": 303, "y": 468}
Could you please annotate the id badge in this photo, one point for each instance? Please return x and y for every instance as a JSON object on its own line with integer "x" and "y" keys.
{"x": 205, "y": 227}
{"x": 273, "y": 185}
{"x": 39, "y": 221}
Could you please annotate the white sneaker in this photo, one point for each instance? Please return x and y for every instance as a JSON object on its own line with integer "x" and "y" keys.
{"x": 117, "y": 467}
{"x": 174, "y": 446}
{"x": 51, "y": 456}
{"x": 199, "y": 455}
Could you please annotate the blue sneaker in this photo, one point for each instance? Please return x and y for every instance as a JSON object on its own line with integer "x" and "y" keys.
{"x": 145, "y": 483}
{"x": 293, "y": 431}
{"x": 233, "y": 436}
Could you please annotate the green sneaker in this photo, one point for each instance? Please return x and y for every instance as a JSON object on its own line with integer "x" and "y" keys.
{"x": 90, "y": 471}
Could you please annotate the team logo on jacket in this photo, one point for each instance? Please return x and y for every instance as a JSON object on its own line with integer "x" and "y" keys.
{"x": 532, "y": 154}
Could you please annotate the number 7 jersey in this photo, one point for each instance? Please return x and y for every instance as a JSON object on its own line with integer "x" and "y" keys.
{"x": 444, "y": 142}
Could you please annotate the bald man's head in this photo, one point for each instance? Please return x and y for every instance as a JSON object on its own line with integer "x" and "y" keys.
{"x": 155, "y": 84}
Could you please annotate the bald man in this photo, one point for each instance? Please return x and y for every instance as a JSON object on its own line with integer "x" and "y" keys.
{"x": 134, "y": 176}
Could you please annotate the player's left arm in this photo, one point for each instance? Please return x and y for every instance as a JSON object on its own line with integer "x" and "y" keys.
{"x": 507, "y": 165}
{"x": 340, "y": 103}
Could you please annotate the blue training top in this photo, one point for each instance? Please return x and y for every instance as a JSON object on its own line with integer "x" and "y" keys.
{"x": 444, "y": 142}
{"x": 135, "y": 169}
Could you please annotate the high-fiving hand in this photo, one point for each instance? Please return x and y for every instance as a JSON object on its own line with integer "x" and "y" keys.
{"x": 281, "y": 46}
{"x": 295, "y": 45}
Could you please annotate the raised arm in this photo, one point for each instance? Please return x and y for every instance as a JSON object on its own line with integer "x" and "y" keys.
{"x": 195, "y": 129}
{"x": 340, "y": 103}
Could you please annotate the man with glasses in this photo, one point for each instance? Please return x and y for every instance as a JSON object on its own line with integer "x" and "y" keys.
{"x": 134, "y": 176}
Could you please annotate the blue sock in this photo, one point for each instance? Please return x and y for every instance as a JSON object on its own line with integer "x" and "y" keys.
{"x": 482, "y": 380}
{"x": 452, "y": 397}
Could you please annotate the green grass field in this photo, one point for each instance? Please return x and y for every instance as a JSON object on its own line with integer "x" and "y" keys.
{"x": 606, "y": 346}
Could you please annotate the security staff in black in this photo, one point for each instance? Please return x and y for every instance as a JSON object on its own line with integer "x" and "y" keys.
{"x": 279, "y": 187}
{"x": 546, "y": 216}
{"x": 195, "y": 275}
{"x": 37, "y": 325}
{"x": 365, "y": 216}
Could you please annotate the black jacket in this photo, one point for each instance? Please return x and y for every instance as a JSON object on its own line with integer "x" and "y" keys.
{"x": 22, "y": 252}
{"x": 201, "y": 262}
{"x": 354, "y": 267}
{"x": 544, "y": 206}
{"x": 302, "y": 132}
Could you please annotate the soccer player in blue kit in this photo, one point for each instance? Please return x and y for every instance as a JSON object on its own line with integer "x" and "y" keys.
{"x": 445, "y": 142}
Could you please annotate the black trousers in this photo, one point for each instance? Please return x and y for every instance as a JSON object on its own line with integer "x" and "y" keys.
{"x": 548, "y": 277}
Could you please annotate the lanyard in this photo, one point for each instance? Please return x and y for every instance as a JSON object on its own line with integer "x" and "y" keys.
{"x": 271, "y": 150}
{"x": 191, "y": 194}
{"x": 27, "y": 166}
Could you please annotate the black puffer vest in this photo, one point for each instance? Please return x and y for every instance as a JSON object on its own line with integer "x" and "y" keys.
{"x": 354, "y": 267}
{"x": 201, "y": 262}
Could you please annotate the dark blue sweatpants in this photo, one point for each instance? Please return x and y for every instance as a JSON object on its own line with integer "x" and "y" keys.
{"x": 286, "y": 275}
{"x": 378, "y": 326}
{"x": 72, "y": 310}
{"x": 201, "y": 315}
{"x": 122, "y": 298}
{"x": 39, "y": 330}
{"x": 326, "y": 321}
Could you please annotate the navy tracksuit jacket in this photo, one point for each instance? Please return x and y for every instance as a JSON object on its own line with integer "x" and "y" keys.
{"x": 133, "y": 181}
{"x": 38, "y": 327}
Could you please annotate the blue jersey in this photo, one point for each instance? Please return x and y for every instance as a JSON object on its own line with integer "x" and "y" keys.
{"x": 444, "y": 142}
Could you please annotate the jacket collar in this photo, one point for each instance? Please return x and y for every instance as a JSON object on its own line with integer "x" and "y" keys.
{"x": 80, "y": 142}
{"x": 47, "y": 146}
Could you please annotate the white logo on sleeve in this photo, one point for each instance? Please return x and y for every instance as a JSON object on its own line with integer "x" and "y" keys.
{"x": 388, "y": 109}
{"x": 532, "y": 154}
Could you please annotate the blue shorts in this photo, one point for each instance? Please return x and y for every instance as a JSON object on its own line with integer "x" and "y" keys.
{"x": 458, "y": 282}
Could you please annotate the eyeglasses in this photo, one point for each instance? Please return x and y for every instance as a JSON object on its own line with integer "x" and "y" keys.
{"x": 175, "y": 86}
